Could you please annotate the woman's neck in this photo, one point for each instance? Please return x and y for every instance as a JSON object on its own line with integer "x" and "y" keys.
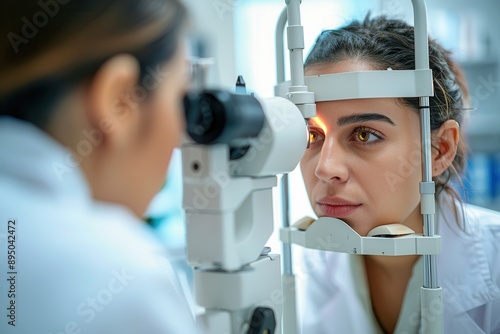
{"x": 387, "y": 279}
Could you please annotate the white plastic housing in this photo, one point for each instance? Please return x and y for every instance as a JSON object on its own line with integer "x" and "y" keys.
{"x": 280, "y": 144}
{"x": 228, "y": 204}
{"x": 238, "y": 293}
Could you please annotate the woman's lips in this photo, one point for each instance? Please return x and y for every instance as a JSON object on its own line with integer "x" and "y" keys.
{"x": 337, "y": 207}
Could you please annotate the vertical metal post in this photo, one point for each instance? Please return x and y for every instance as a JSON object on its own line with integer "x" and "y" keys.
{"x": 305, "y": 102}
{"x": 431, "y": 298}
{"x": 295, "y": 44}
{"x": 427, "y": 193}
{"x": 288, "y": 277}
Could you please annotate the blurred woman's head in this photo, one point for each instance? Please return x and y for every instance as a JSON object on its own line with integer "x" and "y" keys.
{"x": 364, "y": 164}
{"x": 104, "y": 78}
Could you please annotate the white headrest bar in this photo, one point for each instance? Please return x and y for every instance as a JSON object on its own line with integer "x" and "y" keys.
{"x": 368, "y": 84}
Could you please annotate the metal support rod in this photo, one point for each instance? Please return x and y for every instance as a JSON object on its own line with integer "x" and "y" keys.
{"x": 425, "y": 121}
{"x": 431, "y": 293}
{"x": 430, "y": 266}
{"x": 295, "y": 37}
{"x": 285, "y": 216}
{"x": 296, "y": 54}
{"x": 421, "y": 39}
{"x": 297, "y": 92}
{"x": 288, "y": 277}
{"x": 422, "y": 62}
{"x": 280, "y": 49}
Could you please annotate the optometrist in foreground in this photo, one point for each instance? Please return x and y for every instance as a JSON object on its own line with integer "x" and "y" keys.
{"x": 90, "y": 111}
{"x": 364, "y": 167}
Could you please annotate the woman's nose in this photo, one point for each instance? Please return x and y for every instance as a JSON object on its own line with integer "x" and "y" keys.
{"x": 332, "y": 164}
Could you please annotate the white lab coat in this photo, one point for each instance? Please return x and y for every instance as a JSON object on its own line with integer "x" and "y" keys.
{"x": 81, "y": 266}
{"x": 336, "y": 298}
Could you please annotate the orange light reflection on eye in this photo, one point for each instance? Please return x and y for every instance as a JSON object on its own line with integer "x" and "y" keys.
{"x": 318, "y": 122}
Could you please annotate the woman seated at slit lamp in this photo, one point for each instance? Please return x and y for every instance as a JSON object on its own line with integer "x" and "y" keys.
{"x": 363, "y": 166}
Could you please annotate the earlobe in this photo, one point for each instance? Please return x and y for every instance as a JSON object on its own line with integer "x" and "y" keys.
{"x": 446, "y": 141}
{"x": 110, "y": 99}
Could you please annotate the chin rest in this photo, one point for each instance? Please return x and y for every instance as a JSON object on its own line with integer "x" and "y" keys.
{"x": 387, "y": 231}
{"x": 335, "y": 235}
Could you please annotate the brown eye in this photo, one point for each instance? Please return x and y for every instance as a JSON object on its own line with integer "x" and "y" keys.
{"x": 315, "y": 137}
{"x": 363, "y": 136}
{"x": 366, "y": 136}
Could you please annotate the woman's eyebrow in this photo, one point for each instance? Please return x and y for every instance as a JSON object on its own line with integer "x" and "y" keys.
{"x": 359, "y": 118}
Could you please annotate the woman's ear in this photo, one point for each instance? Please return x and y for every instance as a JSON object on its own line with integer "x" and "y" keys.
{"x": 112, "y": 105}
{"x": 445, "y": 142}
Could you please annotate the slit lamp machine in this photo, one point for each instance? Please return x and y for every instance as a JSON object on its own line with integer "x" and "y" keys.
{"x": 231, "y": 158}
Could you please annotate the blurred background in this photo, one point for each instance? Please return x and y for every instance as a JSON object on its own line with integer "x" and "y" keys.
{"x": 240, "y": 36}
